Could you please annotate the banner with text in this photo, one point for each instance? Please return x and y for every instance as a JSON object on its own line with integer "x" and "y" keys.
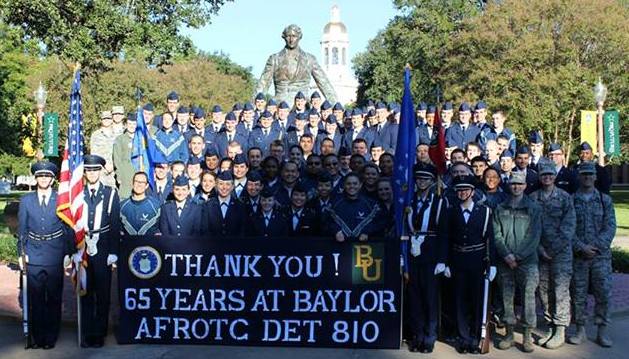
{"x": 51, "y": 134}
{"x": 588, "y": 128}
{"x": 611, "y": 128}
{"x": 281, "y": 292}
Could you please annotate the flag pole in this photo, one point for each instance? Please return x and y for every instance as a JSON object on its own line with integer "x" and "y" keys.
{"x": 78, "y": 265}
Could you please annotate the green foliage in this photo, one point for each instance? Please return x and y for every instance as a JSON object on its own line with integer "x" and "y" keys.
{"x": 620, "y": 260}
{"x": 11, "y": 165}
{"x": 96, "y": 33}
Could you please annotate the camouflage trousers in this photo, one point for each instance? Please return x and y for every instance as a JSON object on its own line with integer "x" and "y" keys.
{"x": 597, "y": 274}
{"x": 525, "y": 277}
{"x": 554, "y": 287}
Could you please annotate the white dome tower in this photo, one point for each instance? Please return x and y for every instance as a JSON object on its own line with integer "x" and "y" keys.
{"x": 335, "y": 58}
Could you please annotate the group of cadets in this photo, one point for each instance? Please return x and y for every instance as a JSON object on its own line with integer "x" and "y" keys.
{"x": 315, "y": 169}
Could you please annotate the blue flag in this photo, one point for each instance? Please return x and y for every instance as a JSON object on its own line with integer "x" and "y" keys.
{"x": 403, "y": 184}
{"x": 141, "y": 150}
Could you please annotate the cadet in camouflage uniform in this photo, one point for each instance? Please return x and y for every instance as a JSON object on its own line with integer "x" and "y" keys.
{"x": 517, "y": 230}
{"x": 102, "y": 143}
{"x": 595, "y": 230}
{"x": 122, "y": 157}
{"x": 555, "y": 252}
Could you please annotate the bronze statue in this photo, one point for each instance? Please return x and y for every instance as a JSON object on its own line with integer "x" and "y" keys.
{"x": 291, "y": 69}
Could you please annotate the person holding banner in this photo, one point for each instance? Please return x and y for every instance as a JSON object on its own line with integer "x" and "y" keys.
{"x": 224, "y": 215}
{"x": 44, "y": 245}
{"x": 180, "y": 216}
{"x": 470, "y": 261}
{"x": 268, "y": 221}
{"x": 428, "y": 227}
{"x": 102, "y": 241}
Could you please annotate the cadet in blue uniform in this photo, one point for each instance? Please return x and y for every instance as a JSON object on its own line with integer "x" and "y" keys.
{"x": 102, "y": 241}
{"x": 224, "y": 215}
{"x": 180, "y": 216}
{"x": 470, "y": 237}
{"x": 462, "y": 132}
{"x": 251, "y": 195}
{"x": 269, "y": 221}
{"x": 536, "y": 144}
{"x": 46, "y": 242}
{"x": 428, "y": 227}
{"x": 358, "y": 130}
{"x": 169, "y": 141}
{"x": 229, "y": 134}
{"x": 140, "y": 213}
{"x": 522, "y": 160}
{"x": 303, "y": 220}
{"x": 566, "y": 178}
{"x": 262, "y": 135}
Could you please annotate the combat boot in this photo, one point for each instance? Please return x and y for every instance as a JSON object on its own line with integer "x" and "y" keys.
{"x": 579, "y": 336}
{"x": 558, "y": 338}
{"x": 506, "y": 342}
{"x": 542, "y": 340}
{"x": 527, "y": 343}
{"x": 602, "y": 338}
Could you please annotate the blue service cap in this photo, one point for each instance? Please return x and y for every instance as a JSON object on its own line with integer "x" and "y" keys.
{"x": 344, "y": 151}
{"x": 211, "y": 152}
{"x": 132, "y": 116}
{"x": 172, "y": 96}
{"x": 148, "y": 107}
{"x": 44, "y": 168}
{"x": 447, "y": 106}
{"x": 523, "y": 150}
{"x": 377, "y": 142}
{"x": 247, "y": 107}
{"x": 324, "y": 177}
{"x": 392, "y": 106}
{"x": 331, "y": 119}
{"x": 199, "y": 113}
{"x": 357, "y": 112}
{"x": 266, "y": 114}
{"x": 301, "y": 116}
{"x": 183, "y": 109}
{"x": 315, "y": 94}
{"x": 260, "y": 96}
{"x": 237, "y": 107}
{"x": 313, "y": 112}
{"x": 507, "y": 154}
{"x": 299, "y": 188}
{"x": 194, "y": 160}
{"x": 181, "y": 181}
{"x": 370, "y": 103}
{"x": 554, "y": 147}
{"x": 381, "y": 105}
{"x": 480, "y": 105}
{"x": 216, "y": 109}
{"x": 93, "y": 162}
{"x": 464, "y": 107}
{"x": 300, "y": 95}
{"x": 347, "y": 113}
{"x": 240, "y": 159}
{"x": 225, "y": 176}
{"x": 326, "y": 105}
{"x": 431, "y": 109}
{"x": 267, "y": 193}
{"x": 338, "y": 107}
{"x": 422, "y": 107}
{"x": 271, "y": 102}
{"x": 536, "y": 137}
{"x": 230, "y": 117}
{"x": 284, "y": 105}
{"x": 254, "y": 176}
{"x": 371, "y": 113}
{"x": 585, "y": 146}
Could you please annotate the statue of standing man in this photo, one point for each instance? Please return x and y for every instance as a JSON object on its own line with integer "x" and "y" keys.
{"x": 291, "y": 69}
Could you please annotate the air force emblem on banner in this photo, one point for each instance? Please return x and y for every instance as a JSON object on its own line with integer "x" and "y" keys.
{"x": 145, "y": 262}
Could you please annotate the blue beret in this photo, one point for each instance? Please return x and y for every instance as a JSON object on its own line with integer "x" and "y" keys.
{"x": 237, "y": 107}
{"x": 266, "y": 114}
{"x": 431, "y": 109}
{"x": 284, "y": 105}
{"x": 347, "y": 113}
{"x": 585, "y": 147}
{"x": 326, "y": 105}
{"x": 480, "y": 105}
{"x": 217, "y": 108}
{"x": 148, "y": 107}
{"x": 230, "y": 117}
{"x": 271, "y": 102}
{"x": 523, "y": 150}
{"x": 464, "y": 107}
{"x": 43, "y": 168}
{"x": 313, "y": 112}
{"x": 357, "y": 112}
{"x": 447, "y": 106}
{"x": 181, "y": 181}
{"x": 199, "y": 113}
{"x": 380, "y": 105}
{"x": 194, "y": 160}
{"x": 260, "y": 96}
{"x": 301, "y": 116}
{"x": 507, "y": 154}
{"x": 338, "y": 107}
{"x": 225, "y": 176}
{"x": 211, "y": 152}
{"x": 300, "y": 95}
{"x": 536, "y": 137}
{"x": 254, "y": 176}
{"x": 95, "y": 162}
{"x": 554, "y": 147}
{"x": 315, "y": 94}
{"x": 172, "y": 96}
{"x": 422, "y": 106}
{"x": 247, "y": 107}
{"x": 267, "y": 193}
{"x": 370, "y": 103}
{"x": 240, "y": 159}
{"x": 183, "y": 109}
{"x": 331, "y": 119}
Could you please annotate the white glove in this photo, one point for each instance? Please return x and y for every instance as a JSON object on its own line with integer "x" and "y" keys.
{"x": 492, "y": 273}
{"x": 20, "y": 262}
{"x": 112, "y": 259}
{"x": 447, "y": 273}
{"x": 77, "y": 258}
{"x": 440, "y": 268}
{"x": 66, "y": 261}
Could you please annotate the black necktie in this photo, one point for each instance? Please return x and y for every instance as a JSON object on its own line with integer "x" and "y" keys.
{"x": 266, "y": 132}
{"x": 43, "y": 200}
{"x": 422, "y": 211}
{"x": 159, "y": 191}
{"x": 92, "y": 194}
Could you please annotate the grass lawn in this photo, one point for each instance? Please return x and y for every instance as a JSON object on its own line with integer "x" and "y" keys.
{"x": 621, "y": 204}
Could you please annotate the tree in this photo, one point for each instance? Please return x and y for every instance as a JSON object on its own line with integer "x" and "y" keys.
{"x": 95, "y": 33}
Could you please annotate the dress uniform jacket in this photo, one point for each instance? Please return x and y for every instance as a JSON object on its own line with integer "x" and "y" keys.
{"x": 234, "y": 223}
{"x": 386, "y": 134}
{"x": 322, "y": 135}
{"x": 566, "y": 180}
{"x": 257, "y": 138}
{"x": 278, "y": 225}
{"x": 222, "y": 142}
{"x": 188, "y": 223}
{"x": 365, "y": 133}
{"x": 455, "y": 136}
{"x": 307, "y": 221}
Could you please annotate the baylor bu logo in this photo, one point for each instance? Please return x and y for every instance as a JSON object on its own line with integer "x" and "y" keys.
{"x": 368, "y": 264}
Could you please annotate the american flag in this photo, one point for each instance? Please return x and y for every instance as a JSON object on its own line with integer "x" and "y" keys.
{"x": 70, "y": 198}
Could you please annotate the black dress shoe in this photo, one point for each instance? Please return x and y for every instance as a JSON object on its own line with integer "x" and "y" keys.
{"x": 48, "y": 346}
{"x": 33, "y": 346}
{"x": 461, "y": 349}
{"x": 473, "y": 349}
{"x": 413, "y": 345}
{"x": 98, "y": 343}
{"x": 428, "y": 348}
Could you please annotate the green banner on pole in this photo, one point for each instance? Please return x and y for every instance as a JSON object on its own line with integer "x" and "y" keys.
{"x": 611, "y": 130}
{"x": 51, "y": 134}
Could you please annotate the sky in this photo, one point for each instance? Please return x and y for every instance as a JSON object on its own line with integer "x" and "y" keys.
{"x": 250, "y": 30}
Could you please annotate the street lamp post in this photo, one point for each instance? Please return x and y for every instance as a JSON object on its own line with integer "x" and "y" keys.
{"x": 600, "y": 93}
{"x": 40, "y": 97}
